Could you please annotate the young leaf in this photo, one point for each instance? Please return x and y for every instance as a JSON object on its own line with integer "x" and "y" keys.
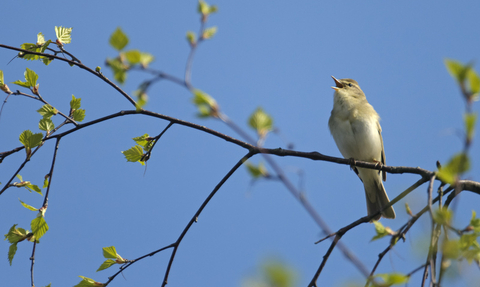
{"x": 391, "y": 279}
{"x": 33, "y": 187}
{"x": 261, "y": 122}
{"x": 63, "y": 34}
{"x": 191, "y": 38}
{"x": 28, "y": 206}
{"x": 206, "y": 105}
{"x": 88, "y": 282}
{"x": 110, "y": 252}
{"x": 15, "y": 234}
{"x": 11, "y": 252}
{"x": 470, "y": 120}
{"x": 119, "y": 70}
{"x": 46, "y": 124}
{"x": 79, "y": 115}
{"x": 203, "y": 7}
{"x": 146, "y": 59}
{"x": 381, "y": 231}
{"x": 142, "y": 99}
{"x": 442, "y": 216}
{"x": 474, "y": 81}
{"x": 118, "y": 40}
{"x": 457, "y": 165}
{"x": 106, "y": 264}
{"x": 47, "y": 111}
{"x": 29, "y": 139}
{"x": 133, "y": 56}
{"x": 209, "y": 32}
{"x": 145, "y": 141}
{"x": 75, "y": 103}
{"x": 456, "y": 69}
{"x": 475, "y": 222}
{"x": 257, "y": 171}
{"x": 3, "y": 86}
{"x": 30, "y": 79}
{"x": 39, "y": 226}
{"x": 40, "y": 39}
{"x": 134, "y": 154}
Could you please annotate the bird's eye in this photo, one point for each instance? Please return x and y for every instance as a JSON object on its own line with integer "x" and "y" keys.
{"x": 349, "y": 84}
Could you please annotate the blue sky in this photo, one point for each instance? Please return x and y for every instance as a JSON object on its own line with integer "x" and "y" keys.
{"x": 277, "y": 55}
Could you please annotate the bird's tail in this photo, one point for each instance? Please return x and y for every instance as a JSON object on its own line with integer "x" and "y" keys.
{"x": 377, "y": 198}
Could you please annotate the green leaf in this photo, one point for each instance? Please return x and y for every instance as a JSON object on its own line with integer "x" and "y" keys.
{"x": 133, "y": 56}
{"x": 49, "y": 285}
{"x": 63, "y": 34}
{"x": 19, "y": 177}
{"x": 261, "y": 122}
{"x": 134, "y": 154}
{"x": 75, "y": 103}
{"x": 475, "y": 222}
{"x": 30, "y": 79}
{"x": 46, "y": 125}
{"x": 45, "y": 182}
{"x": 119, "y": 70}
{"x": 442, "y": 216}
{"x": 474, "y": 81}
{"x": 39, "y": 226}
{"x": 451, "y": 249}
{"x": 79, "y": 115}
{"x": 257, "y": 171}
{"x": 391, "y": 279}
{"x": 142, "y": 98}
{"x": 470, "y": 119}
{"x": 33, "y": 187}
{"x": 11, "y": 252}
{"x": 29, "y": 139}
{"x": 203, "y": 7}
{"x": 278, "y": 274}
{"x": 47, "y": 111}
{"x": 108, "y": 263}
{"x": 88, "y": 282}
{"x": 191, "y": 38}
{"x": 381, "y": 231}
{"x": 457, "y": 165}
{"x": 40, "y": 39}
{"x": 145, "y": 141}
{"x": 110, "y": 252}
{"x": 2, "y": 82}
{"x": 118, "y": 40}
{"x": 456, "y": 69}
{"x": 206, "y": 105}
{"x": 146, "y": 59}
{"x": 15, "y": 234}
{"x": 28, "y": 206}
{"x": 209, "y": 32}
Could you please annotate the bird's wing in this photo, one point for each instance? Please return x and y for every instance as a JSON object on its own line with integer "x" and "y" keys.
{"x": 384, "y": 174}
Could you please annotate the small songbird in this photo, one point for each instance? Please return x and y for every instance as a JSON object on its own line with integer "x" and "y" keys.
{"x": 354, "y": 125}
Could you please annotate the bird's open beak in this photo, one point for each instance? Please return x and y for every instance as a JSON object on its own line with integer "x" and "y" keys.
{"x": 337, "y": 83}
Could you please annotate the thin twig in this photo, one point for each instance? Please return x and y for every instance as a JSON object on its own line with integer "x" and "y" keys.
{"x": 199, "y": 211}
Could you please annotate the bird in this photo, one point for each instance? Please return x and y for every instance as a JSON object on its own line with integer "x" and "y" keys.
{"x": 355, "y": 127}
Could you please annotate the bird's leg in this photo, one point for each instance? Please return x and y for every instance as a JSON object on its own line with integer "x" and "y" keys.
{"x": 352, "y": 165}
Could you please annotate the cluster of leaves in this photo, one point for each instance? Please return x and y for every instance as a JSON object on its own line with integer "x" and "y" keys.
{"x": 28, "y": 138}
{"x": 139, "y": 152}
{"x": 465, "y": 246}
{"x": 38, "y": 225}
{"x": 205, "y": 10}
{"x": 63, "y": 35}
{"x": 469, "y": 82}
{"x": 126, "y": 58}
{"x": 112, "y": 258}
